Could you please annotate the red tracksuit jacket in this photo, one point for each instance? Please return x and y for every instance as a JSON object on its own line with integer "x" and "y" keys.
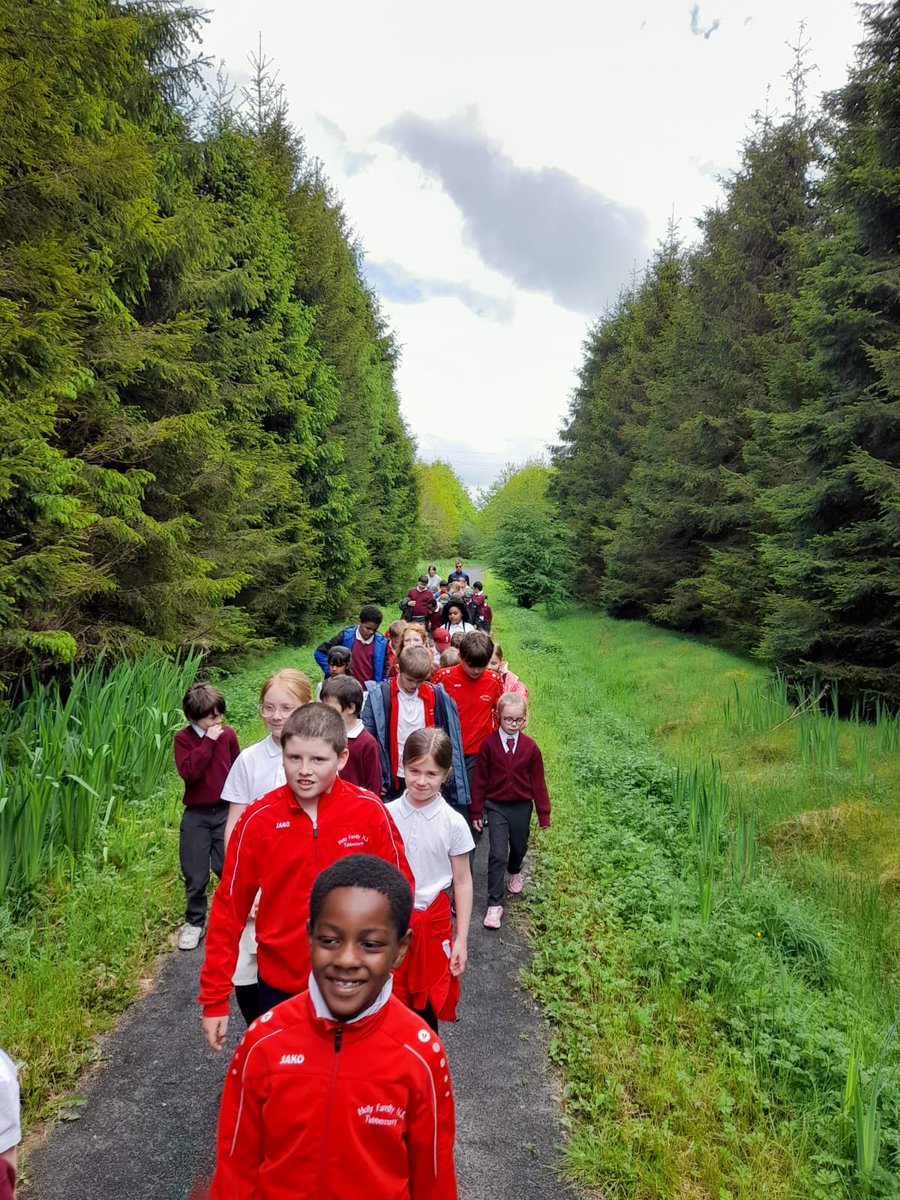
{"x": 275, "y": 847}
{"x": 318, "y": 1110}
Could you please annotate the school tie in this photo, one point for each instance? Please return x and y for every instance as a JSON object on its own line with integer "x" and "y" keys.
{"x": 510, "y": 745}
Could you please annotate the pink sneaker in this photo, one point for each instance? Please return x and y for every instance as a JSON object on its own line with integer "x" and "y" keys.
{"x": 493, "y": 917}
{"x": 515, "y": 883}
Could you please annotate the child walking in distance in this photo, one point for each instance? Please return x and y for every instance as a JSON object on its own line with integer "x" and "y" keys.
{"x": 338, "y": 664}
{"x": 508, "y": 782}
{"x": 10, "y": 1127}
{"x": 363, "y": 766}
{"x": 438, "y": 842}
{"x": 279, "y": 846}
{"x": 476, "y": 691}
{"x": 368, "y": 647}
{"x": 341, "y": 1093}
{"x": 400, "y": 706}
{"x": 204, "y": 753}
{"x": 258, "y": 770}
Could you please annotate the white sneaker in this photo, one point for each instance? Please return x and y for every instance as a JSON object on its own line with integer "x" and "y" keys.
{"x": 189, "y": 937}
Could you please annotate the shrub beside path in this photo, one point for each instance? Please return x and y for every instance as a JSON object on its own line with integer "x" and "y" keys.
{"x": 146, "y": 1129}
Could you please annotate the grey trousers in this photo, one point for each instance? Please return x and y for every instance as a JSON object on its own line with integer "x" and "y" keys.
{"x": 508, "y": 829}
{"x": 201, "y": 848}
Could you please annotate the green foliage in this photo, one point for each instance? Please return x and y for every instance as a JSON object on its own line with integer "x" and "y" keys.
{"x": 204, "y": 444}
{"x": 447, "y": 512}
{"x": 730, "y": 463}
{"x": 72, "y": 759}
{"x": 523, "y": 486}
{"x": 531, "y": 553}
{"x": 703, "y": 1018}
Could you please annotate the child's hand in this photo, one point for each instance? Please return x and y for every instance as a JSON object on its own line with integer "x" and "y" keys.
{"x": 477, "y": 824}
{"x": 214, "y": 1030}
{"x": 215, "y": 731}
{"x": 459, "y": 956}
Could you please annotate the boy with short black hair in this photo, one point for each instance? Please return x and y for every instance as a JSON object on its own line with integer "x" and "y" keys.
{"x": 363, "y": 766}
{"x": 278, "y": 847}
{"x": 341, "y": 1093}
{"x": 204, "y": 753}
{"x": 368, "y": 647}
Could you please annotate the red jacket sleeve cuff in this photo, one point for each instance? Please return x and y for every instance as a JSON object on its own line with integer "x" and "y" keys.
{"x": 223, "y": 1009}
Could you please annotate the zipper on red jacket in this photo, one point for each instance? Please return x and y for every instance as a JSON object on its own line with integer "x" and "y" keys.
{"x": 315, "y": 826}
{"x": 329, "y": 1105}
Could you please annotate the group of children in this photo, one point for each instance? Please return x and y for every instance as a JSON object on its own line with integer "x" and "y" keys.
{"x": 344, "y": 841}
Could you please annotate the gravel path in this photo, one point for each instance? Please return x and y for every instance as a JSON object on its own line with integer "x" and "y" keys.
{"x": 147, "y": 1127}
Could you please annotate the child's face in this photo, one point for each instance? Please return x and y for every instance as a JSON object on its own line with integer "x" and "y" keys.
{"x": 276, "y": 708}
{"x": 473, "y": 672}
{"x": 513, "y": 718}
{"x": 494, "y": 664}
{"x": 423, "y": 779}
{"x": 408, "y": 683}
{"x": 338, "y": 669}
{"x": 367, "y": 629}
{"x": 310, "y": 767}
{"x": 209, "y": 720}
{"x": 353, "y": 949}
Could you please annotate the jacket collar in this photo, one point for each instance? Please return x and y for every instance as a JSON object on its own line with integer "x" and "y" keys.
{"x": 362, "y": 1022}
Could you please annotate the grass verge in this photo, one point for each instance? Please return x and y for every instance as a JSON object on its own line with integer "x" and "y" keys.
{"x": 86, "y": 947}
{"x": 704, "y": 1056}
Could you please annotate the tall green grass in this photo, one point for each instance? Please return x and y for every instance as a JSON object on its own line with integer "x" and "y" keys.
{"x": 73, "y": 755}
{"x": 711, "y": 934}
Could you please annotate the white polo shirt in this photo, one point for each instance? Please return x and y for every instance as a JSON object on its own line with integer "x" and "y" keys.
{"x": 10, "y": 1124}
{"x": 410, "y": 717}
{"x": 430, "y": 836}
{"x": 256, "y": 770}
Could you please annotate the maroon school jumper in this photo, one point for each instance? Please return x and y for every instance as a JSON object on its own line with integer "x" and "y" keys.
{"x": 363, "y": 767}
{"x": 362, "y": 659}
{"x": 423, "y": 602}
{"x": 504, "y": 778}
{"x": 203, "y": 763}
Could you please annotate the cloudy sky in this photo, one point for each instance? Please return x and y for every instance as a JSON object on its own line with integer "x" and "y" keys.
{"x": 509, "y": 164}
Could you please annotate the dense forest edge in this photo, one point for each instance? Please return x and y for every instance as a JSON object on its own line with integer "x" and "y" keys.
{"x": 202, "y": 439}
{"x": 730, "y": 462}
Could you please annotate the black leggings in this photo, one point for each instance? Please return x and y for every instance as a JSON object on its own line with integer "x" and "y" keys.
{"x": 428, "y": 1015}
{"x": 247, "y": 996}
{"x": 270, "y": 996}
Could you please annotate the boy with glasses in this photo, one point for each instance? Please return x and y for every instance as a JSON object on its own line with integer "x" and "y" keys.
{"x": 508, "y": 782}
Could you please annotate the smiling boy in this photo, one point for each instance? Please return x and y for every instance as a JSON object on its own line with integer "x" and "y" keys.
{"x": 280, "y": 845}
{"x": 341, "y": 1093}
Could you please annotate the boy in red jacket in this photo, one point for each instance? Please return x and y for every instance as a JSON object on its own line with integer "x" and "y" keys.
{"x": 508, "y": 782}
{"x": 476, "y": 691}
{"x": 279, "y": 846}
{"x": 341, "y": 1093}
{"x": 204, "y": 753}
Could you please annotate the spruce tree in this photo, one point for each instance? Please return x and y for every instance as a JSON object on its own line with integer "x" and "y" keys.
{"x": 834, "y": 606}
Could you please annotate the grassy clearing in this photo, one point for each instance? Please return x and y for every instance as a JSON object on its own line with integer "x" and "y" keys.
{"x": 85, "y": 947}
{"x": 714, "y": 947}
